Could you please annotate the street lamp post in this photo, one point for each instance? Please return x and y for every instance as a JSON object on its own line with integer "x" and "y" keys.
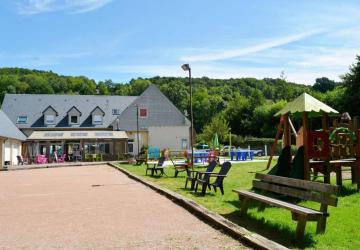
{"x": 137, "y": 129}
{"x": 186, "y": 67}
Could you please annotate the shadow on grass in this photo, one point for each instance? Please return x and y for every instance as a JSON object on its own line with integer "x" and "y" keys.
{"x": 269, "y": 229}
{"x": 259, "y": 171}
{"x": 347, "y": 190}
{"x": 198, "y": 193}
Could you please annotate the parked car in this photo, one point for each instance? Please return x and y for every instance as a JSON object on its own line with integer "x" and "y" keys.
{"x": 258, "y": 152}
{"x": 225, "y": 150}
{"x": 202, "y": 146}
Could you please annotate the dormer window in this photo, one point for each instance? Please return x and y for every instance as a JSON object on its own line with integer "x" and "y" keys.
{"x": 49, "y": 119}
{"x": 22, "y": 119}
{"x": 97, "y": 119}
{"x": 49, "y": 116}
{"x": 97, "y": 116}
{"x": 74, "y": 116}
{"x": 74, "y": 119}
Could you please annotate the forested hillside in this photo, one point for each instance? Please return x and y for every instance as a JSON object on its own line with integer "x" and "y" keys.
{"x": 245, "y": 105}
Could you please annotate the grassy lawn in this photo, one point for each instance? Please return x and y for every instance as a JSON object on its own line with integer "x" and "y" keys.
{"x": 343, "y": 225}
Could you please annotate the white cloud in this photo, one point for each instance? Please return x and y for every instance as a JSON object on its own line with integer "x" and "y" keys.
{"x": 32, "y": 7}
{"x": 227, "y": 54}
{"x": 40, "y": 60}
{"x": 330, "y": 58}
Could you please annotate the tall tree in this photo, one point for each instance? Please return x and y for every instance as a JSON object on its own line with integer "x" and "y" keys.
{"x": 217, "y": 125}
{"x": 324, "y": 84}
{"x": 352, "y": 92}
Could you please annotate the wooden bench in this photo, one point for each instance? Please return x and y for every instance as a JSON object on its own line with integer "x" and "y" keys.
{"x": 305, "y": 190}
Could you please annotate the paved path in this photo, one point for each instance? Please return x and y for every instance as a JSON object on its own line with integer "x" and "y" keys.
{"x": 95, "y": 207}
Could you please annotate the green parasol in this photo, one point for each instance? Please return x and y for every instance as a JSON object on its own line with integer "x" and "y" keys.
{"x": 216, "y": 143}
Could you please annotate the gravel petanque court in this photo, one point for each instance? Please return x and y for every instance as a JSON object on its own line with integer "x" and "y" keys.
{"x": 95, "y": 207}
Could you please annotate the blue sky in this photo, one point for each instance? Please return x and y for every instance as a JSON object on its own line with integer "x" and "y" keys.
{"x": 124, "y": 39}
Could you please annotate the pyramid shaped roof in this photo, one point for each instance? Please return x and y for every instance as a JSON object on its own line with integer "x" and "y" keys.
{"x": 306, "y": 103}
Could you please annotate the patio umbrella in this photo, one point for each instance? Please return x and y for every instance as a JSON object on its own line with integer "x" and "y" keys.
{"x": 216, "y": 143}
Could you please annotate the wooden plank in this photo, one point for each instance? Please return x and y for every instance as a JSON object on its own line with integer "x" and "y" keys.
{"x": 292, "y": 127}
{"x": 277, "y": 203}
{"x": 308, "y": 185}
{"x": 273, "y": 147}
{"x": 297, "y": 193}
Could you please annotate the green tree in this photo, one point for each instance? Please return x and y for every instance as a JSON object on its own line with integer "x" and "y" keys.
{"x": 103, "y": 89}
{"x": 217, "y": 125}
{"x": 264, "y": 121}
{"x": 238, "y": 114}
{"x": 138, "y": 86}
{"x": 352, "y": 83}
{"x": 178, "y": 94}
{"x": 324, "y": 84}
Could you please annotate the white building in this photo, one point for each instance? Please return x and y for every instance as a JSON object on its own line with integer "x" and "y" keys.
{"x": 107, "y": 125}
{"x": 10, "y": 141}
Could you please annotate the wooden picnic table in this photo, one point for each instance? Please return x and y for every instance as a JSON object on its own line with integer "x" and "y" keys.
{"x": 336, "y": 166}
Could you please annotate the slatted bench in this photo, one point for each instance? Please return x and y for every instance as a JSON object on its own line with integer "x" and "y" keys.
{"x": 305, "y": 190}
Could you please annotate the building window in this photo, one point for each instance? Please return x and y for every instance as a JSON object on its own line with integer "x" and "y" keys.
{"x": 130, "y": 147}
{"x": 143, "y": 112}
{"x": 184, "y": 143}
{"x": 97, "y": 119}
{"x": 22, "y": 119}
{"x": 116, "y": 111}
{"x": 49, "y": 119}
{"x": 74, "y": 119}
{"x": 104, "y": 148}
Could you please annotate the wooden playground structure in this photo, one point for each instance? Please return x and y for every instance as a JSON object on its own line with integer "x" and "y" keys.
{"x": 325, "y": 150}
{"x": 318, "y": 150}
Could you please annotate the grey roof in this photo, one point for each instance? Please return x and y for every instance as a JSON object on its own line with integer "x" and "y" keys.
{"x": 161, "y": 112}
{"x": 8, "y": 129}
{"x": 33, "y": 106}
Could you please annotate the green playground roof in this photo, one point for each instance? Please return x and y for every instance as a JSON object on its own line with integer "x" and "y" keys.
{"x": 306, "y": 103}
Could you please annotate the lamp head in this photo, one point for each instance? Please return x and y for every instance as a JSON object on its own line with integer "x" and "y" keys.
{"x": 186, "y": 67}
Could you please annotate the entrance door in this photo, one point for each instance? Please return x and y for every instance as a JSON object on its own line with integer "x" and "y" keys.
{"x": 131, "y": 147}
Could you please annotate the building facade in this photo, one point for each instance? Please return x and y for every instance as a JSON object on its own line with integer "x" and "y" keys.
{"x": 10, "y": 141}
{"x": 107, "y": 125}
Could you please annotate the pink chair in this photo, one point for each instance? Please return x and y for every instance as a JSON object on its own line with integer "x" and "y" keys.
{"x": 41, "y": 159}
{"x": 62, "y": 158}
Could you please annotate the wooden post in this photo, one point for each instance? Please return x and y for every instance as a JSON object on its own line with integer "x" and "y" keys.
{"x": 335, "y": 122}
{"x": 300, "y": 229}
{"x": 321, "y": 225}
{"x": 356, "y": 122}
{"x": 305, "y": 124}
{"x": 278, "y": 133}
{"x": 325, "y": 122}
{"x": 287, "y": 134}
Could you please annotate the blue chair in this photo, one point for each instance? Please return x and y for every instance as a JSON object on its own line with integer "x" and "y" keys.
{"x": 244, "y": 155}
{"x": 232, "y": 154}
{"x": 154, "y": 153}
{"x": 238, "y": 155}
{"x": 251, "y": 155}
